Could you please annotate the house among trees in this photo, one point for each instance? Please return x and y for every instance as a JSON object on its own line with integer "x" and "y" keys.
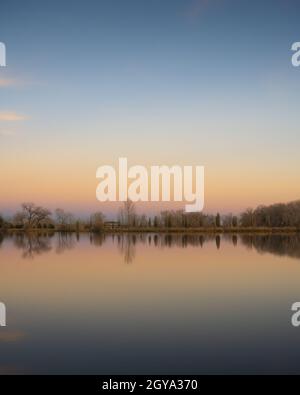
{"x": 111, "y": 225}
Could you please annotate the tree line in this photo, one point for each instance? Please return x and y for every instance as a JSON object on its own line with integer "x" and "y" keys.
{"x": 32, "y": 216}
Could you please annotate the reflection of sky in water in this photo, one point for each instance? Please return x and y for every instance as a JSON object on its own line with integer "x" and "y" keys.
{"x": 149, "y": 304}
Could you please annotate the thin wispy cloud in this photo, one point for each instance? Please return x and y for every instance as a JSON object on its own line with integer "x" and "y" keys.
{"x": 8, "y": 82}
{"x": 11, "y": 116}
{"x": 7, "y": 133}
{"x": 11, "y": 82}
{"x": 198, "y": 7}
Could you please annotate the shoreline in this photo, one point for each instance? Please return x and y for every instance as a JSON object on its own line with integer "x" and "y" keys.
{"x": 215, "y": 230}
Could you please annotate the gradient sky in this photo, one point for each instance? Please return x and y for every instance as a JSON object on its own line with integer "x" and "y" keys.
{"x": 200, "y": 82}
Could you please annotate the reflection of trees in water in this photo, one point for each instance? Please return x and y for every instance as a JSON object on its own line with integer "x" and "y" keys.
{"x": 181, "y": 240}
{"x": 36, "y": 243}
{"x": 33, "y": 244}
{"x": 230, "y": 238}
{"x": 1, "y": 238}
{"x": 65, "y": 241}
{"x": 126, "y": 245}
{"x": 124, "y": 242}
{"x": 98, "y": 239}
{"x": 127, "y": 242}
{"x": 234, "y": 240}
{"x": 276, "y": 244}
{"x": 218, "y": 242}
{"x": 288, "y": 245}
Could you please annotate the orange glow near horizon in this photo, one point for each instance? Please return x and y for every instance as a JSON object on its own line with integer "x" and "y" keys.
{"x": 72, "y": 184}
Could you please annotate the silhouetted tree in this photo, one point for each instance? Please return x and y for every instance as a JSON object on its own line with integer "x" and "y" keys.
{"x": 234, "y": 221}
{"x": 275, "y": 215}
{"x": 32, "y": 216}
{"x": 218, "y": 220}
{"x": 64, "y": 219}
{"x": 127, "y": 215}
{"x": 97, "y": 222}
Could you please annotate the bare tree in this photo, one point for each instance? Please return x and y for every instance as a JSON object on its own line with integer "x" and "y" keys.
{"x": 275, "y": 215}
{"x": 248, "y": 218}
{"x": 227, "y": 220}
{"x": 64, "y": 219}
{"x": 143, "y": 221}
{"x": 97, "y": 221}
{"x": 32, "y": 216}
{"x": 127, "y": 214}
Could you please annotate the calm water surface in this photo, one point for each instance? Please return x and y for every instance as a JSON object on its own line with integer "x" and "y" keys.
{"x": 149, "y": 304}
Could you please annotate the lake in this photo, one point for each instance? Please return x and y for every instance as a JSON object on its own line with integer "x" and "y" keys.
{"x": 149, "y": 304}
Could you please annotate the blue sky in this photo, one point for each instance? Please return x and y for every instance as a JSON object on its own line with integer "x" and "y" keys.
{"x": 183, "y": 81}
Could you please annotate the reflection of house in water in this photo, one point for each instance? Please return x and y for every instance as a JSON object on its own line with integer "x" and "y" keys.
{"x": 112, "y": 225}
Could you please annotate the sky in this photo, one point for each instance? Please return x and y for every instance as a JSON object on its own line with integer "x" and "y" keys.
{"x": 161, "y": 82}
